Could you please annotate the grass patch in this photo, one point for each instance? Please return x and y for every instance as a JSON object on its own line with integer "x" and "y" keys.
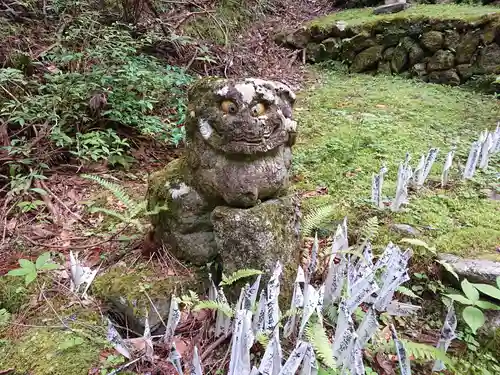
{"x": 352, "y": 124}
{"x": 421, "y": 12}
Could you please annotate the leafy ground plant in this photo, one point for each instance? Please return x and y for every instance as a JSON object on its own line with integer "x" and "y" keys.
{"x": 30, "y": 270}
{"x": 473, "y": 312}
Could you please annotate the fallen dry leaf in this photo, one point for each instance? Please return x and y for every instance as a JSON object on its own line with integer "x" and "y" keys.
{"x": 384, "y": 364}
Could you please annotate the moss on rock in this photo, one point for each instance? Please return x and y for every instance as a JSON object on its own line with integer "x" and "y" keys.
{"x": 489, "y": 59}
{"x": 127, "y": 293}
{"x": 467, "y": 46}
{"x": 441, "y": 60}
{"x": 432, "y": 40}
{"x": 367, "y": 59}
{"x": 399, "y": 59}
{"x": 451, "y": 39}
{"x": 259, "y": 236}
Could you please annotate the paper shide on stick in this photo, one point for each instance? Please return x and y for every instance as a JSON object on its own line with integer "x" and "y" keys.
{"x": 448, "y": 334}
{"x": 425, "y": 167}
{"x": 405, "y": 175}
{"x": 81, "y": 276}
{"x": 446, "y": 168}
{"x": 377, "y": 185}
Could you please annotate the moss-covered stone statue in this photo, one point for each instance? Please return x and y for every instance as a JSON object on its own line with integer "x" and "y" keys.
{"x": 226, "y": 196}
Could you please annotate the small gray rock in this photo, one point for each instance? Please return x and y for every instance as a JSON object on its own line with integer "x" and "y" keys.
{"x": 405, "y": 229}
{"x": 391, "y": 8}
{"x": 475, "y": 270}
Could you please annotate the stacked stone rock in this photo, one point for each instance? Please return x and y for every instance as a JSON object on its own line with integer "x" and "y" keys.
{"x": 227, "y": 196}
{"x": 448, "y": 51}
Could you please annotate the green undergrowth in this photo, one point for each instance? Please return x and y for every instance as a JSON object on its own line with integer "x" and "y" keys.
{"x": 50, "y": 352}
{"x": 419, "y": 12}
{"x": 62, "y": 337}
{"x": 226, "y": 19}
{"x": 350, "y": 125}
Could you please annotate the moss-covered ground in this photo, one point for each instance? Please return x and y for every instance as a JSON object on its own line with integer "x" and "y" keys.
{"x": 420, "y": 12}
{"x": 350, "y": 125}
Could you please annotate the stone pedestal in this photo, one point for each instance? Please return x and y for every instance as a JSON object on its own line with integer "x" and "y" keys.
{"x": 259, "y": 236}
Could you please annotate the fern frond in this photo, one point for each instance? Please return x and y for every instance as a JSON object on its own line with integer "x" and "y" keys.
{"x": 113, "y": 213}
{"x": 214, "y": 305}
{"x": 239, "y": 274}
{"x": 316, "y": 217}
{"x": 116, "y": 189}
{"x": 426, "y": 352}
{"x": 407, "y": 292}
{"x": 369, "y": 231}
{"x": 316, "y": 335}
{"x": 262, "y": 339}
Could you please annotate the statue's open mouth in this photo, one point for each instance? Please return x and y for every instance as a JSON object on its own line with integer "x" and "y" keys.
{"x": 255, "y": 139}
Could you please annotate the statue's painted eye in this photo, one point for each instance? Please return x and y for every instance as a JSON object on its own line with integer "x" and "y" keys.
{"x": 258, "y": 109}
{"x": 229, "y": 106}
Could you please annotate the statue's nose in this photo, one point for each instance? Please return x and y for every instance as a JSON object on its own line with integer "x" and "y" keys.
{"x": 249, "y": 128}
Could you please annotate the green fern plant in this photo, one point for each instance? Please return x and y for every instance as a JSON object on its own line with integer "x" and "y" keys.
{"x": 318, "y": 338}
{"x": 424, "y": 352}
{"x": 368, "y": 232}
{"x": 315, "y": 217}
{"x": 225, "y": 308}
{"x": 415, "y": 350}
{"x": 134, "y": 210}
{"x": 238, "y": 275}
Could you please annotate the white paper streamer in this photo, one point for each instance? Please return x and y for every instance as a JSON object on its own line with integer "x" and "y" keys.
{"x": 292, "y": 364}
{"x": 271, "y": 362}
{"x": 174, "y": 316}
{"x": 401, "y": 309}
{"x": 80, "y": 275}
{"x": 470, "y": 166}
{"x": 117, "y": 341}
{"x": 447, "y": 336}
{"x": 273, "y": 290}
{"x": 404, "y": 360}
{"x": 260, "y": 319}
{"x": 196, "y": 363}
{"x": 368, "y": 327}
{"x": 311, "y": 300}
{"x": 174, "y": 357}
{"x": 446, "y": 168}
{"x": 425, "y": 170}
{"x": 485, "y": 151}
{"x": 297, "y": 302}
{"x": 148, "y": 341}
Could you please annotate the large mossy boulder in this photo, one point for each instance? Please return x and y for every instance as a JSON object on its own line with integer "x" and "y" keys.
{"x": 467, "y": 46}
{"x": 367, "y": 59}
{"x": 328, "y": 49}
{"x": 432, "y": 40}
{"x": 489, "y": 59}
{"x": 352, "y": 46}
{"x": 451, "y": 39}
{"x": 399, "y": 60}
{"x": 441, "y": 60}
{"x": 445, "y": 77}
{"x": 130, "y": 293}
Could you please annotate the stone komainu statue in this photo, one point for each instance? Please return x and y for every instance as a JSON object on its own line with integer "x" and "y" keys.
{"x": 227, "y": 195}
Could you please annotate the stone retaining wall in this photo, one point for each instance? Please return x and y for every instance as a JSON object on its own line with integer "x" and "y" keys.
{"x": 439, "y": 51}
